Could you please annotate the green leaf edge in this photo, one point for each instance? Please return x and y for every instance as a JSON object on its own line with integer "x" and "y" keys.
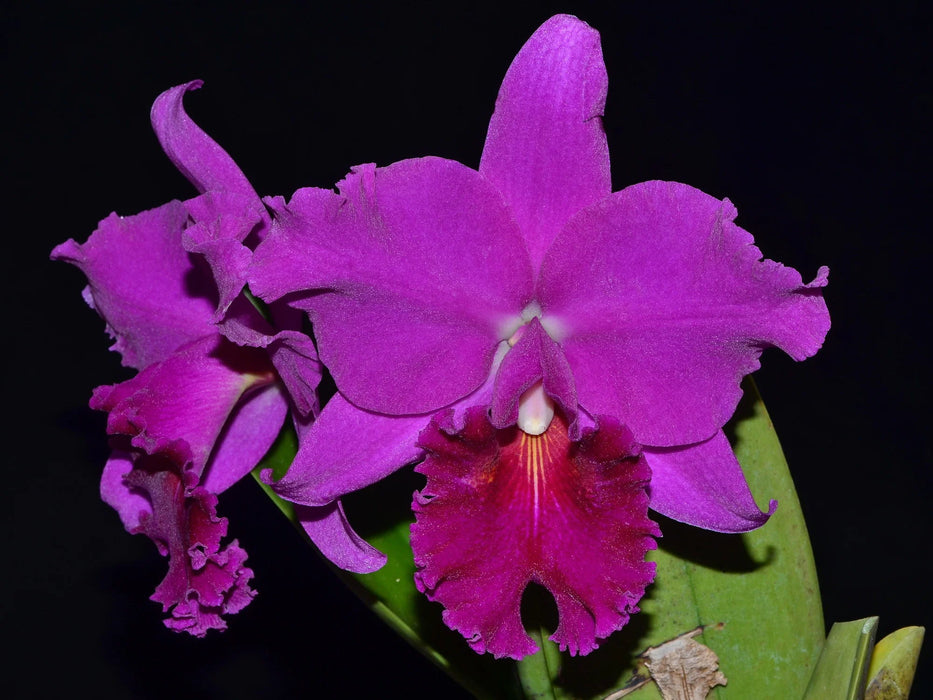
{"x": 842, "y": 670}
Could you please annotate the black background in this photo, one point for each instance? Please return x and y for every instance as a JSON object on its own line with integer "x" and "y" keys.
{"x": 814, "y": 121}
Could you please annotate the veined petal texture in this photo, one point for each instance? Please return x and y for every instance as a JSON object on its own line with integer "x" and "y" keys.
{"x": 502, "y": 508}
{"x": 206, "y": 579}
{"x": 657, "y": 288}
{"x": 181, "y": 406}
{"x": 545, "y": 150}
{"x": 410, "y": 266}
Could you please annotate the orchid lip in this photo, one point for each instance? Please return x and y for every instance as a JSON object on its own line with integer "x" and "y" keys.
{"x": 570, "y": 516}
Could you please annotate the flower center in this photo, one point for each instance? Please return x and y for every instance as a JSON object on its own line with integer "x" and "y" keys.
{"x": 513, "y": 327}
{"x": 535, "y": 410}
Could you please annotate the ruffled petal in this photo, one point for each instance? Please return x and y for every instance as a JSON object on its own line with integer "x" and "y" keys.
{"x": 328, "y": 528}
{"x": 206, "y": 579}
{"x": 295, "y": 359}
{"x": 546, "y": 151}
{"x": 502, "y": 509}
{"x": 346, "y": 449}
{"x": 534, "y": 358}
{"x": 153, "y": 295}
{"x": 131, "y": 505}
{"x": 293, "y": 353}
{"x": 179, "y": 406}
{"x": 657, "y": 288}
{"x": 221, "y": 222}
{"x": 416, "y": 267}
{"x": 703, "y": 485}
{"x": 199, "y": 158}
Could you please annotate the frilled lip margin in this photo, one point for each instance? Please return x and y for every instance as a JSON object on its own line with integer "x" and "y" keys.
{"x": 502, "y": 509}
{"x": 206, "y": 579}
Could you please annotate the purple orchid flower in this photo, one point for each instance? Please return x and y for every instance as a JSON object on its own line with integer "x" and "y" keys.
{"x": 556, "y": 353}
{"x": 203, "y": 410}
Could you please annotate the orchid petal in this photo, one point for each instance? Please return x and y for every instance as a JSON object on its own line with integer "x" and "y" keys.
{"x": 206, "y": 580}
{"x": 247, "y": 435}
{"x": 129, "y": 503}
{"x": 502, "y": 509}
{"x": 703, "y": 485}
{"x": 179, "y": 406}
{"x": 293, "y": 353}
{"x": 295, "y": 359}
{"x": 199, "y": 158}
{"x": 228, "y": 211}
{"x": 657, "y": 288}
{"x": 158, "y": 297}
{"x": 411, "y": 264}
{"x": 535, "y": 357}
{"x": 221, "y": 222}
{"x": 161, "y": 499}
{"x": 546, "y": 151}
{"x": 346, "y": 449}
{"x": 328, "y": 465}
{"x": 328, "y": 528}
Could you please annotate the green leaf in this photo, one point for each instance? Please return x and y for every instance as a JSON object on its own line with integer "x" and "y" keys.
{"x": 843, "y": 665}
{"x": 539, "y": 673}
{"x": 893, "y": 664}
{"x": 279, "y": 459}
{"x": 762, "y": 585}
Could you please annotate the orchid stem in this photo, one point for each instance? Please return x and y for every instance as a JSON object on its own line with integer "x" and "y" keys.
{"x": 538, "y": 671}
